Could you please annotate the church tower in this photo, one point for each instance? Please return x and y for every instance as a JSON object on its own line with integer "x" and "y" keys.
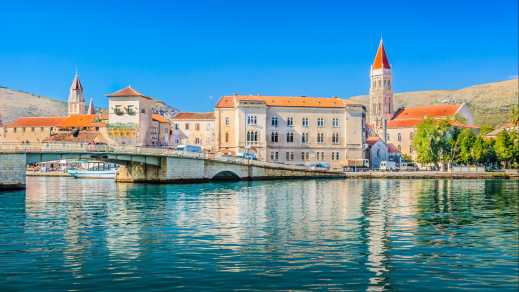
{"x": 76, "y": 101}
{"x": 380, "y": 92}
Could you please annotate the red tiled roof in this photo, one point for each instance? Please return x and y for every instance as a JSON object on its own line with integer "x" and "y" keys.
{"x": 284, "y": 101}
{"x": 127, "y": 91}
{"x": 36, "y": 122}
{"x": 194, "y": 116}
{"x": 381, "y": 61}
{"x": 73, "y": 121}
{"x": 159, "y": 118}
{"x": 412, "y": 116}
{"x": 80, "y": 121}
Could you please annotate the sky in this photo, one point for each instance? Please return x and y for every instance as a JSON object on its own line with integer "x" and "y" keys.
{"x": 189, "y": 53}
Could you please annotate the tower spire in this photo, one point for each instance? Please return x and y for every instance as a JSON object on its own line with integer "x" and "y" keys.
{"x": 76, "y": 101}
{"x": 91, "y": 108}
{"x": 381, "y": 60}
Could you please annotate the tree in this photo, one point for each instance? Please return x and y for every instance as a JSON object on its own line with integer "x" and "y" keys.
{"x": 424, "y": 142}
{"x": 504, "y": 147}
{"x": 480, "y": 150}
{"x": 434, "y": 142}
{"x": 465, "y": 141}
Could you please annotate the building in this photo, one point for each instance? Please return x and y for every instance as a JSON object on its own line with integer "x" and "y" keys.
{"x": 76, "y": 100}
{"x": 380, "y": 91}
{"x": 130, "y": 116}
{"x": 161, "y": 133}
{"x": 397, "y": 128}
{"x": 377, "y": 152}
{"x": 504, "y": 127}
{"x": 295, "y": 130}
{"x": 402, "y": 127}
{"x": 46, "y": 129}
{"x": 195, "y": 129}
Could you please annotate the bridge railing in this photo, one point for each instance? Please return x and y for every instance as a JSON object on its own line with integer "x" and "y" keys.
{"x": 53, "y": 147}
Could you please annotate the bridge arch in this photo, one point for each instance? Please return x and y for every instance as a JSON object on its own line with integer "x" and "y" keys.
{"x": 226, "y": 175}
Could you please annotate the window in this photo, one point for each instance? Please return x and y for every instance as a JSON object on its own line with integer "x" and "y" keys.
{"x": 274, "y": 155}
{"x": 399, "y": 137}
{"x": 186, "y": 126}
{"x": 410, "y": 149}
{"x": 176, "y": 126}
{"x": 252, "y": 137}
{"x": 335, "y": 156}
{"x": 411, "y": 135}
{"x": 335, "y": 122}
{"x": 399, "y": 148}
{"x": 335, "y": 138}
{"x": 227, "y": 121}
{"x": 290, "y": 122}
{"x": 226, "y": 137}
{"x": 302, "y": 156}
{"x": 307, "y": 156}
{"x": 319, "y": 155}
{"x": 274, "y": 137}
{"x": 197, "y": 127}
{"x": 197, "y": 141}
{"x": 289, "y": 156}
{"x": 305, "y": 122}
{"x": 251, "y": 120}
{"x": 290, "y": 137}
{"x": 320, "y": 122}
{"x": 320, "y": 138}
{"x": 274, "y": 121}
{"x": 304, "y": 138}
{"x": 387, "y": 137}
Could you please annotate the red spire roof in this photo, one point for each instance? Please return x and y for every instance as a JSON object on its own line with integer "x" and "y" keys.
{"x": 381, "y": 61}
{"x": 91, "y": 109}
{"x": 127, "y": 91}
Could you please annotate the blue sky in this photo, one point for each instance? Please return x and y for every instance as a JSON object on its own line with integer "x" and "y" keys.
{"x": 189, "y": 53}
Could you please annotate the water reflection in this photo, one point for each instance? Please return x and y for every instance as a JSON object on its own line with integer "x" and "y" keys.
{"x": 371, "y": 235}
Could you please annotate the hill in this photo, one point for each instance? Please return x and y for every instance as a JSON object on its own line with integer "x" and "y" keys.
{"x": 14, "y": 104}
{"x": 490, "y": 103}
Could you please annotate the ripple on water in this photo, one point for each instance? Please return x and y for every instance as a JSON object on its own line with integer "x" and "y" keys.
{"x": 65, "y": 234}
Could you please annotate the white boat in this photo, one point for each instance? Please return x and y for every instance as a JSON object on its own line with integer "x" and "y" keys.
{"x": 86, "y": 173}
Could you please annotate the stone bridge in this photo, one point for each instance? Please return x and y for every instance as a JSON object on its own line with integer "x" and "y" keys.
{"x": 152, "y": 165}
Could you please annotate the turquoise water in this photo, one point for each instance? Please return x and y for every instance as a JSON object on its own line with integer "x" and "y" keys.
{"x": 392, "y": 235}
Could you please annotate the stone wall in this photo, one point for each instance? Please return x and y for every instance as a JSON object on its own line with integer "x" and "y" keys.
{"x": 12, "y": 171}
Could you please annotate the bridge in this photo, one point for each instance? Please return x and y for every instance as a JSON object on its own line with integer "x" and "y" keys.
{"x": 150, "y": 165}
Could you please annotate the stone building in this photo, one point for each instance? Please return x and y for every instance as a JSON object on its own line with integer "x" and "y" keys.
{"x": 195, "y": 129}
{"x": 130, "y": 116}
{"x": 402, "y": 127}
{"x": 294, "y": 130}
{"x": 397, "y": 128}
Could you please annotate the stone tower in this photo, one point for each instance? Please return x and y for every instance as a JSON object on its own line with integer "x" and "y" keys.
{"x": 380, "y": 92}
{"x": 76, "y": 101}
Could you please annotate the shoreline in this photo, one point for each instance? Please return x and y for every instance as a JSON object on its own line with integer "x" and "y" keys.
{"x": 433, "y": 175}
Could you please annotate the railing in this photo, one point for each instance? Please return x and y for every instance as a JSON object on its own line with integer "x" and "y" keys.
{"x": 134, "y": 150}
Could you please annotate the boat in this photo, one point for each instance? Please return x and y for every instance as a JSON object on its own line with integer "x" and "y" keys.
{"x": 90, "y": 173}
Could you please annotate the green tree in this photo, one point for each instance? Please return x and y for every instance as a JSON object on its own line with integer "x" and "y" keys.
{"x": 424, "y": 142}
{"x": 465, "y": 141}
{"x": 504, "y": 147}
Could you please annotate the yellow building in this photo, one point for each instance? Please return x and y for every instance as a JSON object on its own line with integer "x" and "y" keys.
{"x": 194, "y": 129}
{"x": 294, "y": 130}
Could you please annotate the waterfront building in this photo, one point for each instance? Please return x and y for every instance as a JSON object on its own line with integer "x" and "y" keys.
{"x": 504, "y": 127}
{"x": 130, "y": 116}
{"x": 161, "y": 133}
{"x": 377, "y": 152}
{"x": 195, "y": 128}
{"x": 76, "y": 100}
{"x": 402, "y": 127}
{"x": 397, "y": 128}
{"x": 293, "y": 130}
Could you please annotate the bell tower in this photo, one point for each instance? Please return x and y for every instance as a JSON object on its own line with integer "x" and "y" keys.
{"x": 380, "y": 92}
{"x": 76, "y": 100}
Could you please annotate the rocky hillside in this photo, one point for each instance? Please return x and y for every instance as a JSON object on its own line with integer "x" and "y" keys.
{"x": 490, "y": 103}
{"x": 14, "y": 104}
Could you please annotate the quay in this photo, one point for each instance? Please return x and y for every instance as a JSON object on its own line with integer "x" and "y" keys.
{"x": 432, "y": 175}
